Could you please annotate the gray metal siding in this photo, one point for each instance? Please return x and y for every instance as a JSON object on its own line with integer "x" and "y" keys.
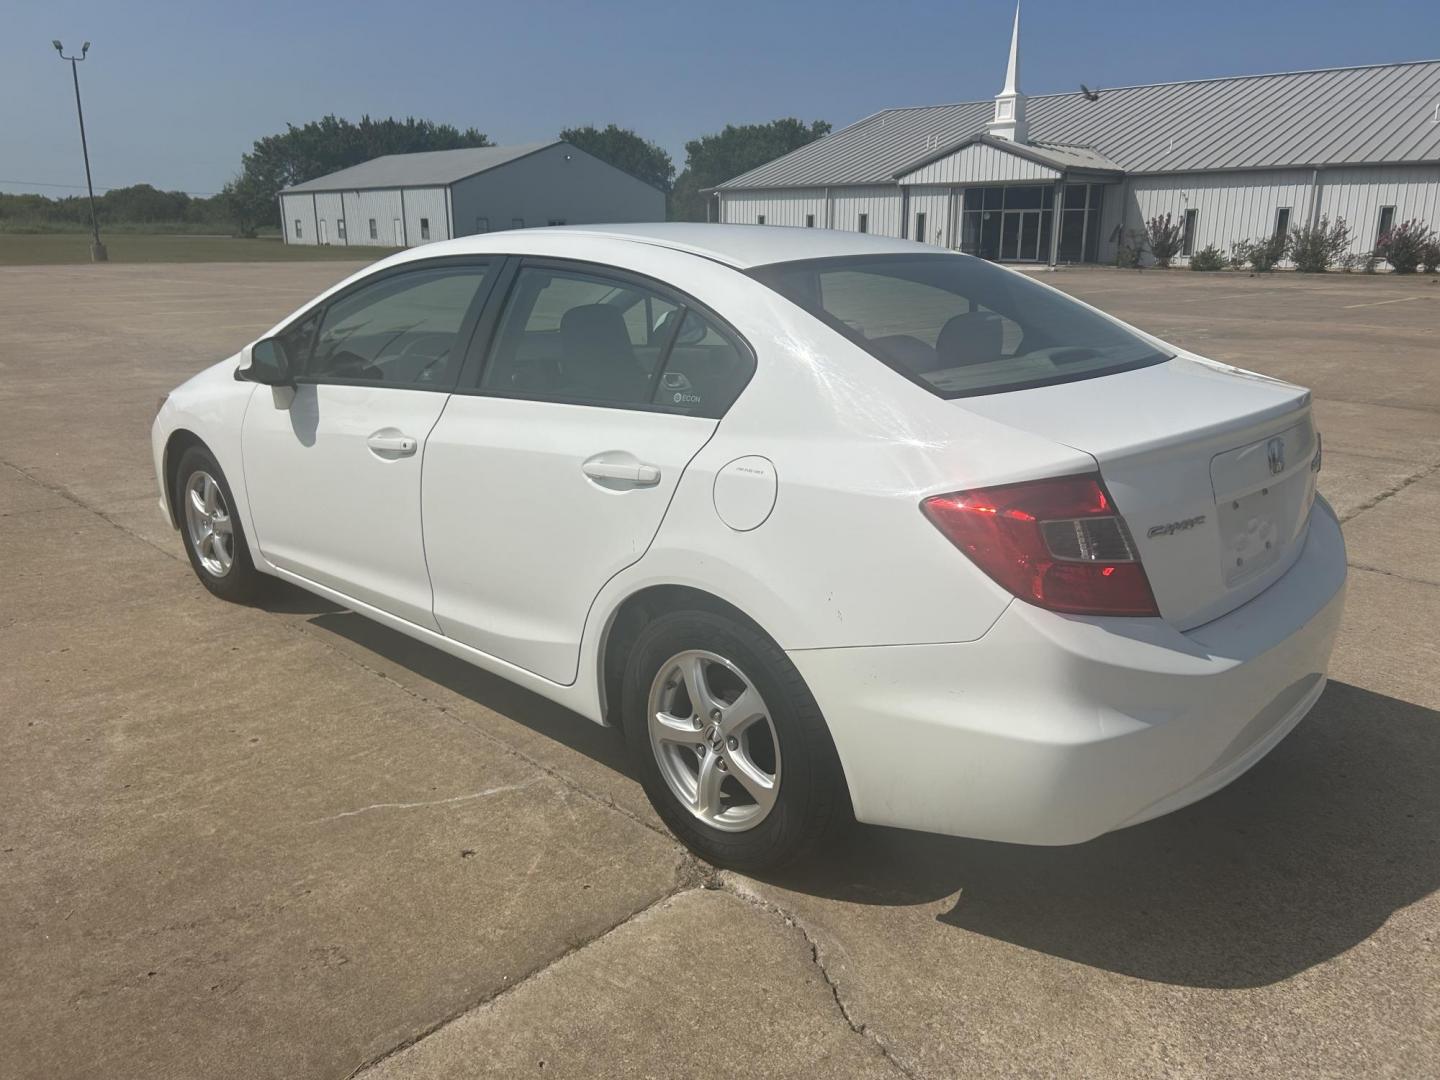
{"x": 425, "y": 203}
{"x": 329, "y": 209}
{"x": 1369, "y": 115}
{"x": 787, "y": 207}
{"x": 882, "y": 204}
{"x": 1233, "y": 206}
{"x": 935, "y": 204}
{"x": 562, "y": 183}
{"x": 981, "y": 164}
{"x": 301, "y": 207}
{"x": 1358, "y": 194}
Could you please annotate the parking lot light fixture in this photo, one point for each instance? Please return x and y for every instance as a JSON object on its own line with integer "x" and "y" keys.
{"x": 97, "y": 249}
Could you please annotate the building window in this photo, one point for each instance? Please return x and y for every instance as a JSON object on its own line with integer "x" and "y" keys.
{"x": 299, "y": 232}
{"x": 556, "y": 221}
{"x": 1282, "y": 221}
{"x": 864, "y": 223}
{"x": 920, "y": 227}
{"x": 517, "y": 222}
{"x": 340, "y": 228}
{"x": 424, "y": 228}
{"x": 809, "y": 221}
{"x": 1187, "y": 242}
{"x": 374, "y": 232}
{"x": 482, "y": 224}
{"x": 1387, "y": 222}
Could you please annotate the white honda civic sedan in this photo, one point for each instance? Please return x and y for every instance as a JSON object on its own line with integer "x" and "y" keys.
{"x": 830, "y": 524}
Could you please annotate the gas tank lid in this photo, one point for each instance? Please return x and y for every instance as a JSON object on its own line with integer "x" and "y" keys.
{"x": 745, "y": 491}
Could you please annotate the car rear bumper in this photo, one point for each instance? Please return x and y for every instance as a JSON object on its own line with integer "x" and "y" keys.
{"x": 1053, "y": 729}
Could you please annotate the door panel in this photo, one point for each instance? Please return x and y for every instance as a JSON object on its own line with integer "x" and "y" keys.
{"x": 333, "y": 475}
{"x": 531, "y": 506}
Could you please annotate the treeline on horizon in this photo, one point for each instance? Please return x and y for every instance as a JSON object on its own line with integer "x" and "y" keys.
{"x": 248, "y": 205}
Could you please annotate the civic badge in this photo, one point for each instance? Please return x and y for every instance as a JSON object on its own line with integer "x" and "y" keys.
{"x": 1275, "y": 452}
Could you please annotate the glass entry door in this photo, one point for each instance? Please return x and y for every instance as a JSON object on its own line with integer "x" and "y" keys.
{"x": 1010, "y": 223}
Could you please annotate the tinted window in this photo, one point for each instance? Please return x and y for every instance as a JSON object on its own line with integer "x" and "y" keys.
{"x": 402, "y": 329}
{"x": 582, "y": 338}
{"x": 957, "y": 325}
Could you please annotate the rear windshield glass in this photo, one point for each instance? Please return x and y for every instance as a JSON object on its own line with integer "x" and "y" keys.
{"x": 956, "y": 325}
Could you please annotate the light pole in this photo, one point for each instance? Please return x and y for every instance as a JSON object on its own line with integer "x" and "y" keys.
{"x": 97, "y": 249}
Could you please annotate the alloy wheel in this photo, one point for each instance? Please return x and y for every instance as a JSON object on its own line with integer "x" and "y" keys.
{"x": 714, "y": 740}
{"x": 208, "y": 522}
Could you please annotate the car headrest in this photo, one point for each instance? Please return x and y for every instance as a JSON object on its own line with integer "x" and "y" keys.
{"x": 976, "y": 337}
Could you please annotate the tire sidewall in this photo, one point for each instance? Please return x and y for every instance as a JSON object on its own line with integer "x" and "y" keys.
{"x": 804, "y": 804}
{"x": 240, "y": 583}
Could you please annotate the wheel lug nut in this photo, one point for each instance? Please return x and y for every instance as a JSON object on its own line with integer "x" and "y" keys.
{"x": 714, "y": 714}
{"x": 722, "y": 766}
{"x": 700, "y": 748}
{"x": 733, "y": 742}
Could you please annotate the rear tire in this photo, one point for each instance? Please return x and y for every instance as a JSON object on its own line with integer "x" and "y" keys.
{"x": 210, "y": 529}
{"x": 747, "y": 777}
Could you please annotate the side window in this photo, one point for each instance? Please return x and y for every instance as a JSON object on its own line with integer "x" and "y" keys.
{"x": 706, "y": 370}
{"x": 424, "y": 228}
{"x": 578, "y": 337}
{"x": 570, "y": 336}
{"x": 402, "y": 330}
{"x": 295, "y": 340}
{"x": 340, "y": 228}
{"x": 299, "y": 230}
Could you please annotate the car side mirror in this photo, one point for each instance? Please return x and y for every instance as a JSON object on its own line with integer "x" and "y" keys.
{"x": 268, "y": 364}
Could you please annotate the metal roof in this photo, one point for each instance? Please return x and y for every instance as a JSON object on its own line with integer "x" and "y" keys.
{"x": 1364, "y": 115}
{"x": 430, "y": 168}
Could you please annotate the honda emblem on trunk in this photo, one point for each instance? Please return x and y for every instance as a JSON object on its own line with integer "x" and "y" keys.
{"x": 1275, "y": 451}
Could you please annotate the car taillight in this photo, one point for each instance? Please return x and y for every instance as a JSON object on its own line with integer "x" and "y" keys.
{"x": 1057, "y": 543}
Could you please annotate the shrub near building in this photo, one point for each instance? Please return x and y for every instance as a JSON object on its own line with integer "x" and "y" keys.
{"x": 1315, "y": 248}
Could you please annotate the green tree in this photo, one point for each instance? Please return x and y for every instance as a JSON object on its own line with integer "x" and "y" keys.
{"x": 248, "y": 203}
{"x": 625, "y": 150}
{"x": 322, "y": 146}
{"x": 713, "y": 159}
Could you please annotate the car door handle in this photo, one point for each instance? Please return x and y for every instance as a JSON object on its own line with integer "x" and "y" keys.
{"x": 637, "y": 475}
{"x": 400, "y": 445}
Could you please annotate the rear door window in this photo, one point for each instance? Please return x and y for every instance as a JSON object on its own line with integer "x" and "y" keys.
{"x": 587, "y": 338}
{"x": 957, "y": 325}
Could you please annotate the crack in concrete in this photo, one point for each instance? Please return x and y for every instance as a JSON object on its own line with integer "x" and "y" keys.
{"x": 69, "y": 496}
{"x": 1389, "y": 492}
{"x": 741, "y": 888}
{"x": 686, "y": 880}
{"x": 431, "y": 802}
{"x": 305, "y": 629}
{"x": 1367, "y": 568}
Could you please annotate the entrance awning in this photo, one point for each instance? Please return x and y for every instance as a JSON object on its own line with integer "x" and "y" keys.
{"x": 984, "y": 159}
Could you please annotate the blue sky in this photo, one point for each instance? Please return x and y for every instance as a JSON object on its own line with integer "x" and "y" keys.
{"x": 175, "y": 92}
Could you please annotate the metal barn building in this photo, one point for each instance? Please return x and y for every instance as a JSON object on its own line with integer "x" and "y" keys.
{"x": 1059, "y": 178}
{"x": 402, "y": 200}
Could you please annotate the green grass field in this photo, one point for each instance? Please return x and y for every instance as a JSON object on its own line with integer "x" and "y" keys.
{"x": 37, "y": 249}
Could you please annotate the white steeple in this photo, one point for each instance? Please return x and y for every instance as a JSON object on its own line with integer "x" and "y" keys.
{"x": 1009, "y": 122}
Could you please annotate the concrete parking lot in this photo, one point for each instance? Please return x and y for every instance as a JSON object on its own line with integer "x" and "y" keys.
{"x": 285, "y": 842}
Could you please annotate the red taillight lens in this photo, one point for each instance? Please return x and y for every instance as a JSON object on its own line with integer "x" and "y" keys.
{"x": 1056, "y": 543}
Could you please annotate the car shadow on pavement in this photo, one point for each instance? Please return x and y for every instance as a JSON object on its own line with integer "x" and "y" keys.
{"x": 1299, "y": 860}
{"x": 514, "y": 703}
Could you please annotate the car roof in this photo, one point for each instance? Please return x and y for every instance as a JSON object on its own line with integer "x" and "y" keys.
{"x": 740, "y": 246}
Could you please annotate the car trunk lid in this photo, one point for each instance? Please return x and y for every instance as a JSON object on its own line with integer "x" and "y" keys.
{"x": 1210, "y": 466}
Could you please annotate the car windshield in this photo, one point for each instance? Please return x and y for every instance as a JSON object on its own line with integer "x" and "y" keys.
{"x": 957, "y": 325}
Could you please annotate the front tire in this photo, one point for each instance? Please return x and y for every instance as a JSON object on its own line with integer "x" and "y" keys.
{"x": 210, "y": 529}
{"x": 732, "y": 749}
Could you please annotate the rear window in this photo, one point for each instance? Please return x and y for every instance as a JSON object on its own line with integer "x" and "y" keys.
{"x": 956, "y": 325}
